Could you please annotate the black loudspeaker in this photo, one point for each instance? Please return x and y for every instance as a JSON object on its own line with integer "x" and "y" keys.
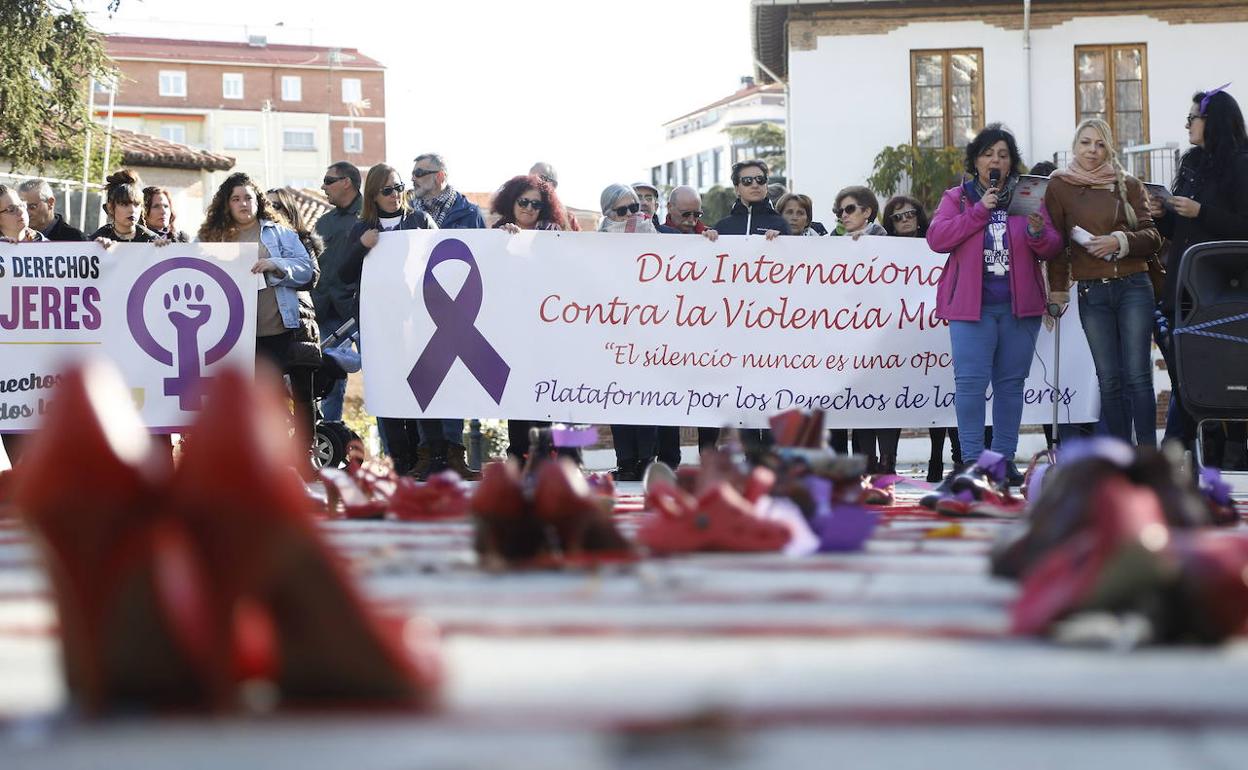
{"x": 1211, "y": 349}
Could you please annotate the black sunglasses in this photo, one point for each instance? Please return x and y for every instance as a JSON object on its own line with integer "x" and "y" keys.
{"x": 902, "y": 216}
{"x": 420, "y": 173}
{"x": 529, "y": 203}
{"x": 392, "y": 189}
{"x": 632, "y": 208}
{"x": 850, "y": 209}
{"x": 331, "y": 180}
{"x": 761, "y": 179}
{"x": 694, "y": 214}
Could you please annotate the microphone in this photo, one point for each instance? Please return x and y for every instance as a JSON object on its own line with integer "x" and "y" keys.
{"x": 994, "y": 178}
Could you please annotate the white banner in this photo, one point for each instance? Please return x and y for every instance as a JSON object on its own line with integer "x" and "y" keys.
{"x": 674, "y": 330}
{"x": 167, "y": 318}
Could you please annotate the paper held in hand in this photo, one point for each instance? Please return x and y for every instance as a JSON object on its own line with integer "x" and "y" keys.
{"x": 1028, "y": 195}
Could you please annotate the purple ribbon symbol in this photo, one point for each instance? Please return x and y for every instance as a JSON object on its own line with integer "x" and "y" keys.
{"x": 455, "y": 334}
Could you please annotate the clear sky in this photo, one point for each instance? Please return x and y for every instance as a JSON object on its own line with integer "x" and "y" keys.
{"x": 495, "y": 85}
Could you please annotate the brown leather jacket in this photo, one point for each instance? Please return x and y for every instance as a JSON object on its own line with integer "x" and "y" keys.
{"x": 1100, "y": 211}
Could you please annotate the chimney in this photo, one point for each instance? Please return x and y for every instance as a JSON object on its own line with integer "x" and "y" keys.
{"x": 257, "y": 41}
{"x": 747, "y": 81}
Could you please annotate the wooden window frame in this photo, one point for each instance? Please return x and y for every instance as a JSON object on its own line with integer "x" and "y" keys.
{"x": 1110, "y": 91}
{"x": 978, "y": 96}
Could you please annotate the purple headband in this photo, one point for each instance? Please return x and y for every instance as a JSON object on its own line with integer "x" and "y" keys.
{"x": 1204, "y": 102}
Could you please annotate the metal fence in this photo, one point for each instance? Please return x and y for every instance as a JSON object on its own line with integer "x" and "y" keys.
{"x": 68, "y": 200}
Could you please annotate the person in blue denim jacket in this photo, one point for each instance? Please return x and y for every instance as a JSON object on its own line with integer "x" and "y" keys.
{"x": 240, "y": 213}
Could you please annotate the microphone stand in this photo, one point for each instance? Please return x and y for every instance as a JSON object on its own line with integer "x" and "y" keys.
{"x": 1056, "y": 310}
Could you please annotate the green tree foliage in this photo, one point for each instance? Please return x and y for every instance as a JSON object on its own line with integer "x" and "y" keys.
{"x": 929, "y": 171}
{"x": 716, "y": 203}
{"x": 48, "y": 53}
{"x": 768, "y": 138}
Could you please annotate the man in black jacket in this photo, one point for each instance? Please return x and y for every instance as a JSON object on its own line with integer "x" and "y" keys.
{"x": 41, "y": 205}
{"x": 752, "y": 214}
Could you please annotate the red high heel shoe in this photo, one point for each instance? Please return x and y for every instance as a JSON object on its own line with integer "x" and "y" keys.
{"x": 503, "y": 532}
{"x": 1124, "y": 553}
{"x": 285, "y": 607}
{"x": 128, "y": 587}
{"x": 583, "y": 526}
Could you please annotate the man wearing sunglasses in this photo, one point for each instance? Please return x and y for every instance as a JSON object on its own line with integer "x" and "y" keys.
{"x": 753, "y": 213}
{"x": 450, "y": 210}
{"x": 684, "y": 213}
{"x": 333, "y": 299}
{"x": 431, "y": 194}
{"x": 684, "y": 217}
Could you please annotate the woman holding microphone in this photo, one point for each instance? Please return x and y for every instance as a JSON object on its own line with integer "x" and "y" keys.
{"x": 991, "y": 291}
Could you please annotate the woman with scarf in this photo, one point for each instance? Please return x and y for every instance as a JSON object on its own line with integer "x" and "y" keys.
{"x": 991, "y": 292}
{"x": 385, "y": 209}
{"x": 635, "y": 445}
{"x": 1209, "y": 203}
{"x": 1110, "y": 266}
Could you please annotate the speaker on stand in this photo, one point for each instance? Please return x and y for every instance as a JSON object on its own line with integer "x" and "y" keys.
{"x": 1211, "y": 334}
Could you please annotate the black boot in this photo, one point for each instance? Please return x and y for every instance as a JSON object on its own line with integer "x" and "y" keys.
{"x": 944, "y": 490}
{"x": 1012, "y": 475}
{"x": 935, "y": 470}
{"x": 888, "y": 465}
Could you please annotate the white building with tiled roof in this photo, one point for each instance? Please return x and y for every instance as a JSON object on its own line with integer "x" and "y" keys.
{"x": 697, "y": 149}
{"x": 285, "y": 112}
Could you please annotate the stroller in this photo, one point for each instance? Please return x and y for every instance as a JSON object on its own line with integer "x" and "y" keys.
{"x": 332, "y": 439}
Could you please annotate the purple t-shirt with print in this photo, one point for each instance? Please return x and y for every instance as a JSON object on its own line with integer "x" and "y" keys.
{"x": 996, "y": 260}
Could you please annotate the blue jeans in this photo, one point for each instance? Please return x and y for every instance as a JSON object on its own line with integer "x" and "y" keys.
{"x": 996, "y": 349}
{"x": 448, "y": 430}
{"x": 1117, "y": 317}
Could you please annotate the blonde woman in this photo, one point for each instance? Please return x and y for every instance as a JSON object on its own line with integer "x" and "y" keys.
{"x": 1102, "y": 212}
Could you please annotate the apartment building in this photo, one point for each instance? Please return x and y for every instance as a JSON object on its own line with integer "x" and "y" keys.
{"x": 284, "y": 112}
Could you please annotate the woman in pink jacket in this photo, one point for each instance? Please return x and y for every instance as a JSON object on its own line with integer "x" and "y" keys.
{"x": 991, "y": 292}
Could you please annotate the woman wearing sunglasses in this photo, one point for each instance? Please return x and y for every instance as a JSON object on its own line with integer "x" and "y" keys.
{"x": 856, "y": 208}
{"x": 385, "y": 209}
{"x": 621, "y": 211}
{"x": 904, "y": 217}
{"x": 1210, "y": 203}
{"x": 991, "y": 292}
{"x": 528, "y": 203}
{"x": 636, "y": 446}
{"x": 798, "y": 211}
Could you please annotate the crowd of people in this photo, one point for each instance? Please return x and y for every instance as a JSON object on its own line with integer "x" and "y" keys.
{"x": 1003, "y": 277}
